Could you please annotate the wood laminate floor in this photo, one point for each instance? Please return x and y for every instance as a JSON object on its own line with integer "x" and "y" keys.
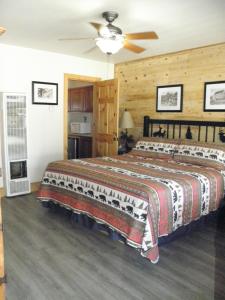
{"x": 47, "y": 257}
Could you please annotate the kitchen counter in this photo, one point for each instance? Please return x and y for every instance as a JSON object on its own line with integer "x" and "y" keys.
{"x": 71, "y": 135}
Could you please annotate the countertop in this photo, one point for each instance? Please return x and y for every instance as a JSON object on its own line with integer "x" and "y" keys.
{"x": 71, "y": 135}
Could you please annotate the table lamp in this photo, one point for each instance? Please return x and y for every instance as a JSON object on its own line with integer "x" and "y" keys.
{"x": 126, "y": 122}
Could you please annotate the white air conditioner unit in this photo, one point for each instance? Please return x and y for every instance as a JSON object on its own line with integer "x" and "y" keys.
{"x": 14, "y": 143}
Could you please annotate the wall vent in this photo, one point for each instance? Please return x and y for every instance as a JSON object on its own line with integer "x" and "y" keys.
{"x": 14, "y": 143}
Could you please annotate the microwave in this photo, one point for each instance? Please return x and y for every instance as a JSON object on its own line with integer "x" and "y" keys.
{"x": 80, "y": 127}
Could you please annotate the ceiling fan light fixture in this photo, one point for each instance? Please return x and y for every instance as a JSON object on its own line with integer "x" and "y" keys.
{"x": 104, "y": 32}
{"x": 110, "y": 45}
{"x": 2, "y": 30}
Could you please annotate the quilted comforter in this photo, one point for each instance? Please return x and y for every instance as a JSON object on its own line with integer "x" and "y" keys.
{"x": 141, "y": 198}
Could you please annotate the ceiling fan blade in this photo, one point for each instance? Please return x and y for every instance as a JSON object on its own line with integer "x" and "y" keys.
{"x": 75, "y": 39}
{"x": 2, "y": 30}
{"x": 90, "y": 50}
{"x": 151, "y": 35}
{"x": 133, "y": 47}
{"x": 97, "y": 26}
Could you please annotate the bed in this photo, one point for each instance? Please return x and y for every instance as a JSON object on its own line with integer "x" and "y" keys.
{"x": 162, "y": 185}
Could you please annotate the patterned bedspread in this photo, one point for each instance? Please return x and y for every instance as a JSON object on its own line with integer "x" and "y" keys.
{"x": 141, "y": 198}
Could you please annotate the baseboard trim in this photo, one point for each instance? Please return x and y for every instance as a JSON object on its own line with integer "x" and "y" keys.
{"x": 34, "y": 188}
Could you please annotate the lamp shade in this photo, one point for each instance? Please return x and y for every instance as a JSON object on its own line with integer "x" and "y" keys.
{"x": 126, "y": 120}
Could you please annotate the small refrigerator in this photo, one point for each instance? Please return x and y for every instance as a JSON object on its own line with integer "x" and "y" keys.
{"x": 73, "y": 147}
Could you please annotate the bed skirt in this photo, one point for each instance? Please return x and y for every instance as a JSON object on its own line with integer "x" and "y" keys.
{"x": 93, "y": 224}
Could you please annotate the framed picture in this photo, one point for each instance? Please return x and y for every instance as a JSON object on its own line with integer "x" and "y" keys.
{"x": 169, "y": 98}
{"x": 214, "y": 96}
{"x": 44, "y": 93}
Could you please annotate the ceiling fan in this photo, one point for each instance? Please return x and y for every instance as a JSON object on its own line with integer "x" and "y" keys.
{"x": 111, "y": 38}
{"x": 2, "y": 30}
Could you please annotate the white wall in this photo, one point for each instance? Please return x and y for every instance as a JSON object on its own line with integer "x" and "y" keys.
{"x": 18, "y": 68}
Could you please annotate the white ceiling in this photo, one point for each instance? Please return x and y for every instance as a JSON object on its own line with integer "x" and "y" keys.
{"x": 180, "y": 24}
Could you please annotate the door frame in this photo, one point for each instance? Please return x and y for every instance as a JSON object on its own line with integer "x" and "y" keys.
{"x": 68, "y": 77}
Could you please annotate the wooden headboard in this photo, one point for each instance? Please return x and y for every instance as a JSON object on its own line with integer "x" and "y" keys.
{"x": 207, "y": 131}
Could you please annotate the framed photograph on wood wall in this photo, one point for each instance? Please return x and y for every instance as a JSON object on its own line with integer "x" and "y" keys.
{"x": 44, "y": 93}
{"x": 169, "y": 98}
{"x": 214, "y": 96}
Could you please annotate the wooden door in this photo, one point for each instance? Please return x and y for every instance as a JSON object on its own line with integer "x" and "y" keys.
{"x": 105, "y": 118}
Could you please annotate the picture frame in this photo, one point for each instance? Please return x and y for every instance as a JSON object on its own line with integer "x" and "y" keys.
{"x": 214, "y": 96}
{"x": 169, "y": 98}
{"x": 44, "y": 93}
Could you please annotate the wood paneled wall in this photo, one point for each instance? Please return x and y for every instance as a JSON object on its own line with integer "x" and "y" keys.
{"x": 138, "y": 80}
